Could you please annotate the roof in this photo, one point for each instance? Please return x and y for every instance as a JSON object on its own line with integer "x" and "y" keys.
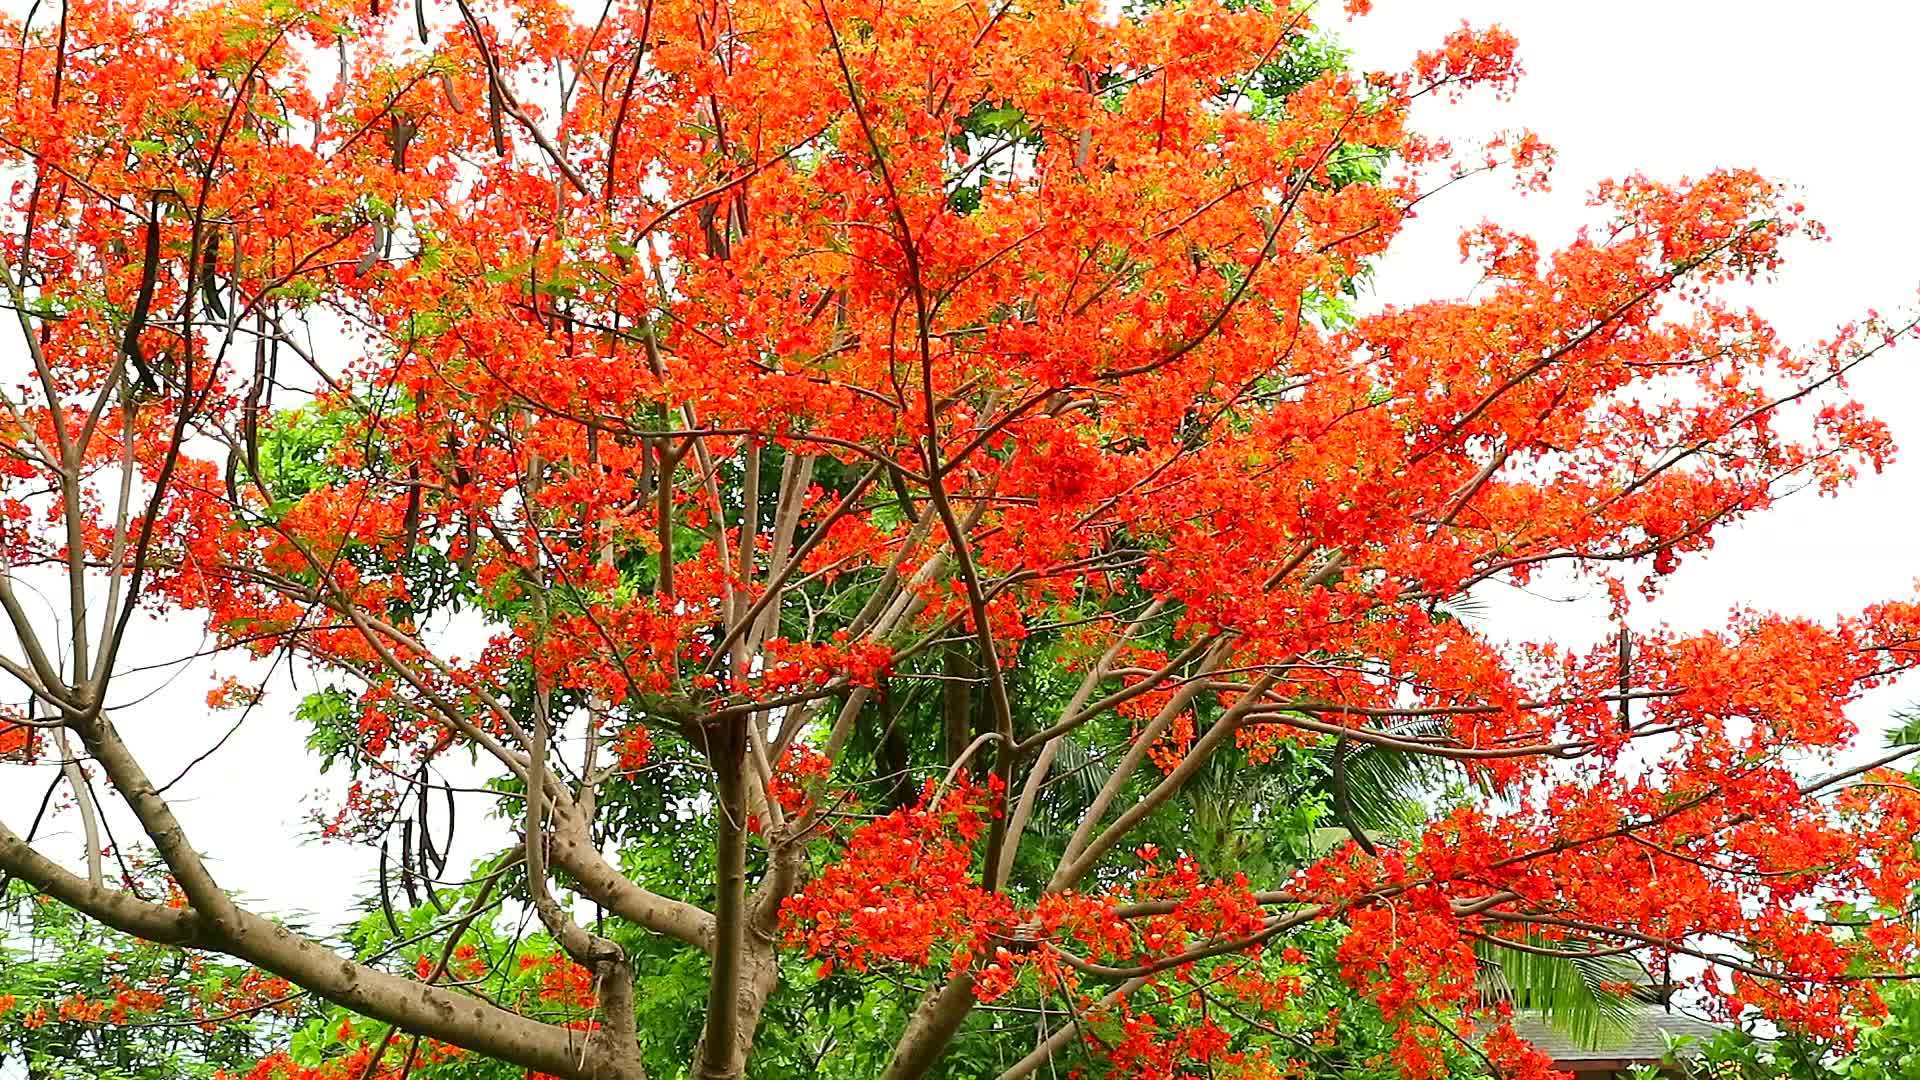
{"x": 1654, "y": 1029}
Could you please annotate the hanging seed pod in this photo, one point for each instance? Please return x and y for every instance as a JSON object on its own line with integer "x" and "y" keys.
{"x": 209, "y": 286}
{"x": 143, "y": 301}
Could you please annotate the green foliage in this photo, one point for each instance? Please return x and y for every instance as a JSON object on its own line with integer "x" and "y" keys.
{"x": 1883, "y": 1049}
{"x": 297, "y": 448}
{"x": 80, "y": 1001}
{"x": 331, "y": 731}
{"x": 1906, "y": 727}
{"x": 1573, "y": 993}
{"x": 1263, "y": 818}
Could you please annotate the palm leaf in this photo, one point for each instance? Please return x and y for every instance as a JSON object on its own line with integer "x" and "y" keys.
{"x": 1469, "y": 608}
{"x": 1076, "y": 778}
{"x": 1388, "y": 789}
{"x": 1906, "y": 727}
{"x": 1573, "y": 993}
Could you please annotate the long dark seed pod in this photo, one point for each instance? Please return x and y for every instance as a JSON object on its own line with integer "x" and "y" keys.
{"x": 256, "y": 393}
{"x": 406, "y": 862}
{"x": 494, "y": 105}
{"x": 386, "y": 896}
{"x": 233, "y": 476}
{"x": 454, "y": 102}
{"x": 143, "y": 301}
{"x": 1626, "y": 679}
{"x": 429, "y": 858}
{"x": 400, "y": 136}
{"x": 446, "y": 845}
{"x": 715, "y": 233}
{"x": 412, "y": 533}
{"x": 373, "y": 249}
{"x": 1342, "y": 800}
{"x": 901, "y": 493}
{"x": 209, "y": 264}
{"x": 431, "y": 862}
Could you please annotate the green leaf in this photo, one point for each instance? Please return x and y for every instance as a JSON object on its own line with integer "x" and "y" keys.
{"x": 1570, "y": 992}
{"x": 1001, "y": 119}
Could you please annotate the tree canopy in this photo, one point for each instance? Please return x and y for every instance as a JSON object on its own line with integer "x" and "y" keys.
{"x": 931, "y": 565}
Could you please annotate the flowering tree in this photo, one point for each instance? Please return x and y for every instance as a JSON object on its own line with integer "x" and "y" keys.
{"x": 906, "y": 459}
{"x": 81, "y": 1000}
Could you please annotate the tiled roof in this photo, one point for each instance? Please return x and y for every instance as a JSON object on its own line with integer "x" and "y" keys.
{"x": 1653, "y": 1030}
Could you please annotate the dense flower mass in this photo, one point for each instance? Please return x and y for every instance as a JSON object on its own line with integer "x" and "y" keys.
{"x": 901, "y": 503}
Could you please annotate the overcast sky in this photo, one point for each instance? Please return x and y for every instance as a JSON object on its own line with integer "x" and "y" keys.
{"x": 1803, "y": 93}
{"x": 1670, "y": 88}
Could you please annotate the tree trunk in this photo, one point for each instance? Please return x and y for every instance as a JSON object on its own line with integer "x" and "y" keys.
{"x": 759, "y": 976}
{"x": 956, "y": 699}
{"x": 931, "y": 1028}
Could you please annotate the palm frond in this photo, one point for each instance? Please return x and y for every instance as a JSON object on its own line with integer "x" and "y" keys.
{"x": 1076, "y": 778}
{"x": 1387, "y": 789}
{"x": 1906, "y": 727}
{"x": 1575, "y": 994}
{"x": 1467, "y": 607}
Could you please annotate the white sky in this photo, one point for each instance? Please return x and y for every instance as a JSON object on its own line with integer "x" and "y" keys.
{"x": 1670, "y": 88}
{"x": 1803, "y": 93}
